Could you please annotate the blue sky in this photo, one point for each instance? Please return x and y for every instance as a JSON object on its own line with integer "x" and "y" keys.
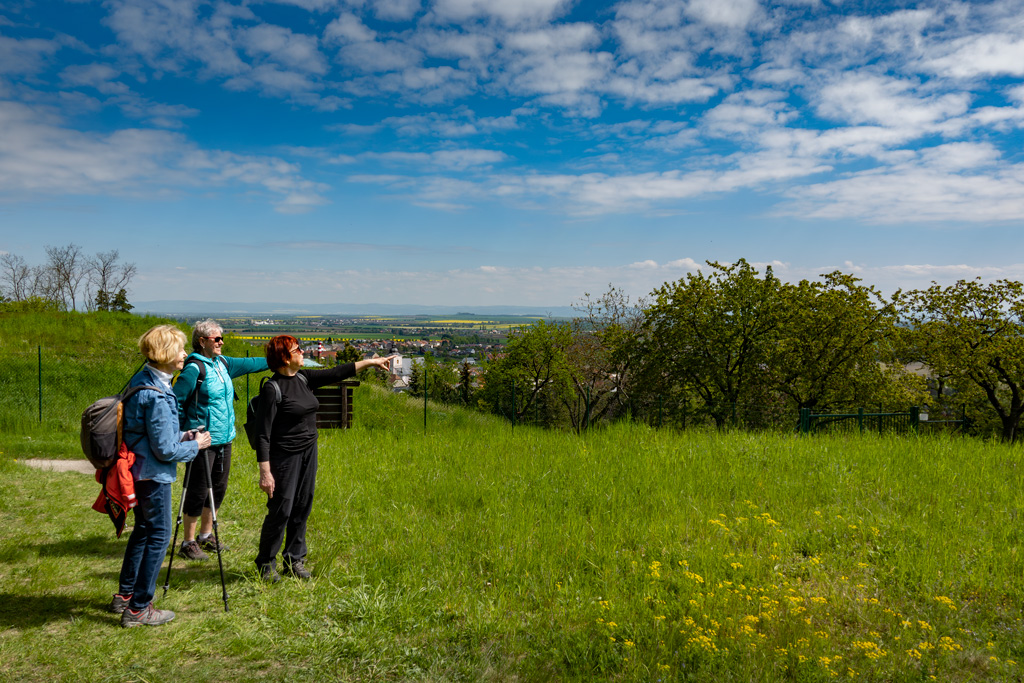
{"x": 475, "y": 152}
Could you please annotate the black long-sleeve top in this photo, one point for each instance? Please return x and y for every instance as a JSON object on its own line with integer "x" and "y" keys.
{"x": 288, "y": 427}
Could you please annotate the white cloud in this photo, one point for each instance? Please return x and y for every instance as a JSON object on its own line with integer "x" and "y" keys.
{"x": 958, "y": 182}
{"x": 510, "y": 13}
{"x": 730, "y": 13}
{"x": 348, "y": 28}
{"x": 25, "y": 56}
{"x": 40, "y": 156}
{"x": 865, "y": 98}
{"x": 456, "y": 159}
{"x": 281, "y": 46}
{"x": 102, "y": 77}
{"x": 396, "y": 10}
{"x": 371, "y": 57}
{"x": 986, "y": 55}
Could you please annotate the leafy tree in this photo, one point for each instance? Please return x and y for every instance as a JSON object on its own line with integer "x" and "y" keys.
{"x": 835, "y": 345}
{"x": 416, "y": 379}
{"x": 711, "y": 335}
{"x": 349, "y": 354}
{"x": 605, "y": 353}
{"x": 534, "y": 369}
{"x": 442, "y": 380}
{"x": 971, "y": 336}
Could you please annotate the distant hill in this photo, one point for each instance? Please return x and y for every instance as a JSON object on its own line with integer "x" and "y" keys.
{"x": 260, "y": 308}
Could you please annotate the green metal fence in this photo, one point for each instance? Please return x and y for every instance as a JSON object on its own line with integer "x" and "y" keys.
{"x": 913, "y": 420}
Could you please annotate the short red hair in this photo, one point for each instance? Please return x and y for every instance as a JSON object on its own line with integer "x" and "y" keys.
{"x": 279, "y": 351}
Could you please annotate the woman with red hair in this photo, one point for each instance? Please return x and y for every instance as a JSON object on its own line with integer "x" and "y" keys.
{"x": 286, "y": 451}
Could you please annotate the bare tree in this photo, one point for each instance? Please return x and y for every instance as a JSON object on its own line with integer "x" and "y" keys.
{"x": 17, "y": 278}
{"x": 66, "y": 270}
{"x": 107, "y": 277}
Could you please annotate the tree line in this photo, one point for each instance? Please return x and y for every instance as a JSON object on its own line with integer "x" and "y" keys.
{"x": 69, "y": 280}
{"x": 734, "y": 345}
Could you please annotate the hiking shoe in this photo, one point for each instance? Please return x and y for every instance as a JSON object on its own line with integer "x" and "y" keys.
{"x": 269, "y": 574}
{"x": 298, "y": 570}
{"x": 119, "y": 603}
{"x": 190, "y": 550}
{"x": 211, "y": 544}
{"x": 147, "y": 616}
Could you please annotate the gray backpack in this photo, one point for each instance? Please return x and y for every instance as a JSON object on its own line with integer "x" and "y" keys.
{"x": 101, "y": 427}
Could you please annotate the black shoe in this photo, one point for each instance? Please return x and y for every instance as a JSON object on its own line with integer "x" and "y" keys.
{"x": 211, "y": 544}
{"x": 298, "y": 570}
{"x": 190, "y": 550}
{"x": 269, "y": 574}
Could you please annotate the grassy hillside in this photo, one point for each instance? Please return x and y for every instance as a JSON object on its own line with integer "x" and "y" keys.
{"x": 83, "y": 357}
{"x": 472, "y": 552}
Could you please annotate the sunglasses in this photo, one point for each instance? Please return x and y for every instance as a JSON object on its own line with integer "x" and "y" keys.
{"x": 217, "y": 340}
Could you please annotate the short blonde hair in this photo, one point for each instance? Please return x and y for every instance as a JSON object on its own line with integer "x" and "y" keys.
{"x": 162, "y": 344}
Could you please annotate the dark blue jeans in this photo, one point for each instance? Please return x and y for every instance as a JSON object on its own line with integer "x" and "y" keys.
{"x": 148, "y": 543}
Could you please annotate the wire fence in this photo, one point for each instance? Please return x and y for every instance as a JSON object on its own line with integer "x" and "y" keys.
{"x": 41, "y": 392}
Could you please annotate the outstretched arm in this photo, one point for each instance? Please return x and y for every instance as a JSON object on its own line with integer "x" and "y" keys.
{"x": 382, "y": 363}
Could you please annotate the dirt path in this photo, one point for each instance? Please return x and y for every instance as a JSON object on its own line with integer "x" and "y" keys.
{"x": 83, "y": 466}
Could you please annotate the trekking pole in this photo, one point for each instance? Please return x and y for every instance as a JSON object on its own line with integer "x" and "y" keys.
{"x": 177, "y": 525}
{"x": 216, "y": 536}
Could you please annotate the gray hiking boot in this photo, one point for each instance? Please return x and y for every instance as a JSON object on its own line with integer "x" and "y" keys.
{"x": 147, "y": 616}
{"x": 190, "y": 550}
{"x": 211, "y": 544}
{"x": 268, "y": 573}
{"x": 119, "y": 603}
{"x": 298, "y": 570}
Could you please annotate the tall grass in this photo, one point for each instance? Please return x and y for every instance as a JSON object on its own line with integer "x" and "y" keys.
{"x": 472, "y": 551}
{"x": 55, "y": 364}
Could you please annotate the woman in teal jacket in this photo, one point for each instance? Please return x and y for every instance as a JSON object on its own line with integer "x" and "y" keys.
{"x": 206, "y": 396}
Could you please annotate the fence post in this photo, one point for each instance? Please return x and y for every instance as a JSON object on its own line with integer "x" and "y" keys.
{"x": 860, "y": 419}
{"x": 39, "y": 352}
{"x": 804, "y": 425}
{"x": 915, "y": 417}
{"x": 424, "y": 393}
{"x": 661, "y": 401}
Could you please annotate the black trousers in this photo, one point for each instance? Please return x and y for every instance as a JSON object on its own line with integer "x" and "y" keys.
{"x": 288, "y": 510}
{"x": 198, "y": 494}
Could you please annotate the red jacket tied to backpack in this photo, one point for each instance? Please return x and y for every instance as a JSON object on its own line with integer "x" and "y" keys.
{"x": 118, "y": 494}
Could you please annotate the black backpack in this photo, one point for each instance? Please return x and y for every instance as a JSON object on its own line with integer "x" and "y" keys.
{"x": 254, "y": 405}
{"x": 101, "y": 427}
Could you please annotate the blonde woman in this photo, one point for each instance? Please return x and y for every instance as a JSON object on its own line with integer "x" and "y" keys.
{"x": 151, "y": 432}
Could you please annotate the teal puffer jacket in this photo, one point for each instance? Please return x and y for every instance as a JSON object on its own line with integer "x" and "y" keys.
{"x": 214, "y": 404}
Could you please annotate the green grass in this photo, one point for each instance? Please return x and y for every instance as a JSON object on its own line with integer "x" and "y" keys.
{"x": 472, "y": 552}
{"x": 56, "y": 364}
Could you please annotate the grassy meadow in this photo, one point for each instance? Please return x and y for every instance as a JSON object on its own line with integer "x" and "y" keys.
{"x": 470, "y": 551}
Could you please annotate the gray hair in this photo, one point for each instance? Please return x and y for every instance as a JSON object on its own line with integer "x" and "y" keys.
{"x": 204, "y": 328}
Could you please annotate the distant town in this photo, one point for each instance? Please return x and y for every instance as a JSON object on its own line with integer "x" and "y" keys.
{"x": 462, "y": 338}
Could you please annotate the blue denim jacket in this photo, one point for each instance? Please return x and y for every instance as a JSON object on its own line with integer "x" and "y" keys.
{"x": 151, "y": 431}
